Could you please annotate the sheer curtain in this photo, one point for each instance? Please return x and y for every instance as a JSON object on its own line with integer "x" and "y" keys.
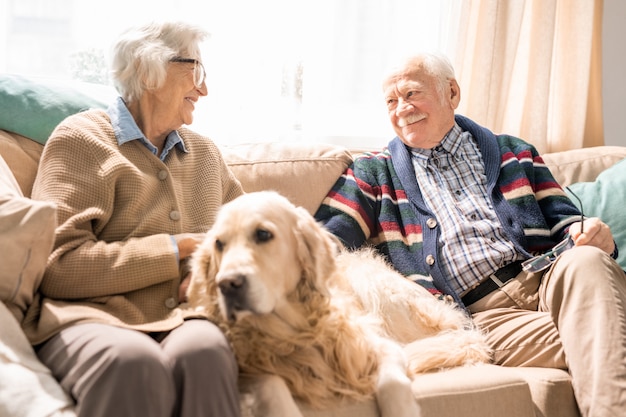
{"x": 312, "y": 71}
{"x": 278, "y": 70}
{"x": 532, "y": 68}
{"x": 302, "y": 70}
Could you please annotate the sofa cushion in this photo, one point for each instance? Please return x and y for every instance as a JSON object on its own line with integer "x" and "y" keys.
{"x": 302, "y": 172}
{"x": 551, "y": 390}
{"x": 606, "y": 198}
{"x": 22, "y": 156}
{"x": 584, "y": 164}
{"x": 459, "y": 392}
{"x": 26, "y": 237}
{"x": 33, "y": 106}
{"x": 472, "y": 391}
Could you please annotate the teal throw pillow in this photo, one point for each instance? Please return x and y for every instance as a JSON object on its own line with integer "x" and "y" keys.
{"x": 34, "y": 106}
{"x": 606, "y": 198}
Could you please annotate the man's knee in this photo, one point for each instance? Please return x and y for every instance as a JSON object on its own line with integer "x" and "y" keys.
{"x": 584, "y": 263}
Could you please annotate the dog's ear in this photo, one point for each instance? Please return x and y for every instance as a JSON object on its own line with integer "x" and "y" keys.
{"x": 316, "y": 250}
{"x": 202, "y": 291}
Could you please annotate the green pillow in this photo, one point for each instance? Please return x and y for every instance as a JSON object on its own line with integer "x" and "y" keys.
{"x": 33, "y": 106}
{"x": 606, "y": 198}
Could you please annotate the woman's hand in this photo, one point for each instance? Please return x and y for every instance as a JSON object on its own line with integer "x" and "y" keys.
{"x": 595, "y": 233}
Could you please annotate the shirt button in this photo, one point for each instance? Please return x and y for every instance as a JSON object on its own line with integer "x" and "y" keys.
{"x": 171, "y": 303}
{"x": 430, "y": 260}
{"x": 162, "y": 174}
{"x": 175, "y": 215}
{"x": 431, "y": 223}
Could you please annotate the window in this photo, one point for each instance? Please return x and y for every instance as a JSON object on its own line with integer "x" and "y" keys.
{"x": 277, "y": 70}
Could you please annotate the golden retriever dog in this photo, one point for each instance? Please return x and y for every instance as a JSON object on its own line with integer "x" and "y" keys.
{"x": 312, "y": 323}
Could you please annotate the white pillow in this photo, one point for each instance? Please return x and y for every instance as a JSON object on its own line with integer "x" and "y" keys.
{"x": 27, "y": 388}
{"x": 26, "y": 237}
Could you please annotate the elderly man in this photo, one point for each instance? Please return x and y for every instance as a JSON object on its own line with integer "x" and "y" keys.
{"x": 479, "y": 213}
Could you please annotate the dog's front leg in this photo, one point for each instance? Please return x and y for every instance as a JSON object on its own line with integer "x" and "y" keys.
{"x": 393, "y": 392}
{"x": 270, "y": 397}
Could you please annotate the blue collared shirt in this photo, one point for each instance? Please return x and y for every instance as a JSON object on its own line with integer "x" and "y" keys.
{"x": 126, "y": 130}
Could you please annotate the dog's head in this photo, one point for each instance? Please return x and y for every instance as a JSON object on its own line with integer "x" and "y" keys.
{"x": 260, "y": 252}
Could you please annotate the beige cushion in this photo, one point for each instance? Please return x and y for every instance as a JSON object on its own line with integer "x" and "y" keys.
{"x": 470, "y": 392}
{"x": 481, "y": 391}
{"x": 26, "y": 237}
{"x": 304, "y": 173}
{"x": 582, "y": 165}
{"x": 473, "y": 391}
{"x": 22, "y": 156}
{"x": 551, "y": 390}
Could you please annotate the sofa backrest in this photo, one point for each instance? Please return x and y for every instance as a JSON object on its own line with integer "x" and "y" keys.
{"x": 582, "y": 165}
{"x": 305, "y": 172}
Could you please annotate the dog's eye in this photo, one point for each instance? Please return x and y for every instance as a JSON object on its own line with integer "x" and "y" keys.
{"x": 219, "y": 246}
{"x": 262, "y": 235}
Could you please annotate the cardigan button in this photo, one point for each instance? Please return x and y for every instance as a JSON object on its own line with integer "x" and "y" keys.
{"x": 430, "y": 260}
{"x": 171, "y": 303}
{"x": 175, "y": 215}
{"x": 162, "y": 174}
{"x": 431, "y": 223}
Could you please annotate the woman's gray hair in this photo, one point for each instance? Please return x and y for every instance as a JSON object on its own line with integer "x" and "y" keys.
{"x": 140, "y": 56}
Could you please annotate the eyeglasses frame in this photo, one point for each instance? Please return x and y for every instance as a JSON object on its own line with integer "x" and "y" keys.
{"x": 198, "y": 64}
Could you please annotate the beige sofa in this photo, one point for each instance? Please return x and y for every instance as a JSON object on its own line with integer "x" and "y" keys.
{"x": 304, "y": 173}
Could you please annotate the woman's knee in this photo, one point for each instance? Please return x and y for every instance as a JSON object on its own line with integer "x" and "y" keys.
{"x": 201, "y": 346}
{"x": 137, "y": 358}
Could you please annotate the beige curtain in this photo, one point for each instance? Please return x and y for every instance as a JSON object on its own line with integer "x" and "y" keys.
{"x": 532, "y": 69}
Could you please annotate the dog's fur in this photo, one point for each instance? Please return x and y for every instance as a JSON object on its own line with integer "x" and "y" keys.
{"x": 312, "y": 322}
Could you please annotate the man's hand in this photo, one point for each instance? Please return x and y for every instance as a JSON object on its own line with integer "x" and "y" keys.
{"x": 182, "y": 289}
{"x": 595, "y": 233}
{"x": 187, "y": 243}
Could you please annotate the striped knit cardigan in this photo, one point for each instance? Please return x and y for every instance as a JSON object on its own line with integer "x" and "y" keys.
{"x": 377, "y": 201}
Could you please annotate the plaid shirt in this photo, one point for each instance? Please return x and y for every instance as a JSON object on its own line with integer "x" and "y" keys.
{"x": 452, "y": 178}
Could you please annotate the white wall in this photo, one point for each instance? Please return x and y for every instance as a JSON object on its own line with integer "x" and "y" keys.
{"x": 614, "y": 72}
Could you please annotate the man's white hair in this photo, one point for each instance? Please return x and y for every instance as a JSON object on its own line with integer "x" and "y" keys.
{"x": 436, "y": 65}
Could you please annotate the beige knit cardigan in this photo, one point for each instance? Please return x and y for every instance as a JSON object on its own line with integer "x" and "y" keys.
{"x": 113, "y": 259}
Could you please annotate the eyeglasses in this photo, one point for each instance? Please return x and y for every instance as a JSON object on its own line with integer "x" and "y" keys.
{"x": 199, "y": 74}
{"x": 540, "y": 262}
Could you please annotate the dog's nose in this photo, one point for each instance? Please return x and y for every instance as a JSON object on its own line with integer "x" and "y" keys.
{"x": 232, "y": 284}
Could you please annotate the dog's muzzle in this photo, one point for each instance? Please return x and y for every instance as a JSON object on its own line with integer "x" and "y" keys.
{"x": 234, "y": 288}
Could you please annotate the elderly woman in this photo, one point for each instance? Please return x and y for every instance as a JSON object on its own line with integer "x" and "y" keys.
{"x": 135, "y": 192}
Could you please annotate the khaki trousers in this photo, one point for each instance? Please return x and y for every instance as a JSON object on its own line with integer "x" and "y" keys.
{"x": 573, "y": 317}
{"x": 109, "y": 371}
